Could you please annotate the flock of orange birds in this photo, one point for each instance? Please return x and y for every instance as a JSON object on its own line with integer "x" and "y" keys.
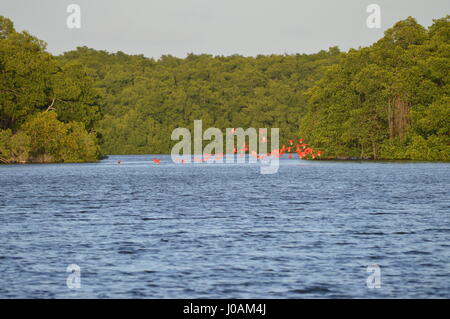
{"x": 302, "y": 150}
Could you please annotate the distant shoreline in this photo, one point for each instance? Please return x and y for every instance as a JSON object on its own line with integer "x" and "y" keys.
{"x": 352, "y": 160}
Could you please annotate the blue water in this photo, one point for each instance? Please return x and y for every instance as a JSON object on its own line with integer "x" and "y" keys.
{"x": 140, "y": 230}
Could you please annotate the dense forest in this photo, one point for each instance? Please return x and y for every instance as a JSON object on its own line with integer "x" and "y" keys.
{"x": 48, "y": 109}
{"x": 387, "y": 101}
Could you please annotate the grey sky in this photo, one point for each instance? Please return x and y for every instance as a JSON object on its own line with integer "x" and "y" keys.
{"x": 218, "y": 27}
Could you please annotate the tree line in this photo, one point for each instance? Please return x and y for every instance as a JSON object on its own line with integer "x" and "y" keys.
{"x": 386, "y": 101}
{"x": 48, "y": 109}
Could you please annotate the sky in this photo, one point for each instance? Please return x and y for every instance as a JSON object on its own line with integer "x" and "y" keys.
{"x": 217, "y": 27}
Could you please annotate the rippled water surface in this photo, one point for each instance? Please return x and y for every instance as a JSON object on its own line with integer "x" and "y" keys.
{"x": 140, "y": 230}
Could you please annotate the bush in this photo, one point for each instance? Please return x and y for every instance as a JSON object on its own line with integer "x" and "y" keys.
{"x": 434, "y": 148}
{"x": 14, "y": 148}
{"x": 50, "y": 140}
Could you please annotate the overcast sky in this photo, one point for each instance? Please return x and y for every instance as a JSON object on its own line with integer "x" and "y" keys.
{"x": 218, "y": 27}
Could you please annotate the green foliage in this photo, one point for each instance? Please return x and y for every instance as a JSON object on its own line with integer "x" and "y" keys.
{"x": 370, "y": 103}
{"x": 143, "y": 100}
{"x": 14, "y": 148}
{"x": 32, "y": 83}
{"x": 44, "y": 139}
{"x": 433, "y": 148}
{"x": 73, "y": 95}
{"x": 47, "y": 134}
{"x": 26, "y": 70}
{"x": 54, "y": 141}
{"x": 386, "y": 101}
{"x": 78, "y": 145}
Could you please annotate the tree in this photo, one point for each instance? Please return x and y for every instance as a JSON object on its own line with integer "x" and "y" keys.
{"x": 14, "y": 148}
{"x": 55, "y": 141}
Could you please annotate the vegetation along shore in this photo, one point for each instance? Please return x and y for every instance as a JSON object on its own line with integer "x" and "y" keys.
{"x": 388, "y": 101}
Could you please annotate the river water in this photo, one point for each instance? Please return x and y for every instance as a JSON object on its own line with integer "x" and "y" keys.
{"x": 141, "y": 230}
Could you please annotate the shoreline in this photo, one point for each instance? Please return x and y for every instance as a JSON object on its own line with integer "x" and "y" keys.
{"x": 341, "y": 160}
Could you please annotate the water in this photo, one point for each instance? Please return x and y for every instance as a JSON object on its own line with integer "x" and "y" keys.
{"x": 140, "y": 230}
